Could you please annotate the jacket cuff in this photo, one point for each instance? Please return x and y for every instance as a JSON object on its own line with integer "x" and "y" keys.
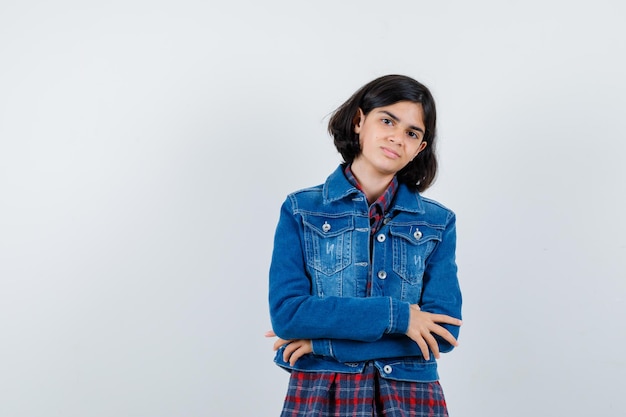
{"x": 399, "y": 316}
{"x": 322, "y": 347}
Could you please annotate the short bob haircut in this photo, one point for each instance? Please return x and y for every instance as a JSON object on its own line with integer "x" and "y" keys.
{"x": 420, "y": 173}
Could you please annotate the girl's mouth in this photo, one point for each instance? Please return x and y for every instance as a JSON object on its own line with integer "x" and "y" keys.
{"x": 390, "y": 153}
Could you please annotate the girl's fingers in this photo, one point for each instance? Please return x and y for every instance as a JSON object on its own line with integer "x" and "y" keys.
{"x": 445, "y": 334}
{"x": 289, "y": 350}
{"x": 423, "y": 347}
{"x": 278, "y": 343}
{"x": 432, "y": 343}
{"x": 297, "y": 354}
{"x": 295, "y": 350}
{"x": 442, "y": 318}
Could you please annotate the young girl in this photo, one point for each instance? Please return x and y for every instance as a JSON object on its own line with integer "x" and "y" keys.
{"x": 363, "y": 287}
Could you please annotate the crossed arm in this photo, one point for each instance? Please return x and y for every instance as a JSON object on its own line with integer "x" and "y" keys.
{"x": 423, "y": 327}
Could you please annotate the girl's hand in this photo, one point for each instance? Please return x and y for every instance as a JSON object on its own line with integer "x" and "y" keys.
{"x": 422, "y": 325}
{"x": 294, "y": 350}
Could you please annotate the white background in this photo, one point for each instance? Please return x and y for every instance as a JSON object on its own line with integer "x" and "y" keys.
{"x": 146, "y": 147}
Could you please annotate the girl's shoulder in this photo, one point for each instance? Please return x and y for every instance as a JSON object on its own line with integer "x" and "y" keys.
{"x": 305, "y": 197}
{"x": 434, "y": 209}
{"x": 434, "y": 204}
{"x": 311, "y": 189}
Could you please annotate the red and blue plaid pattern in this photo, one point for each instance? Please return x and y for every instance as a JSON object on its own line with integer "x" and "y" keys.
{"x": 379, "y": 207}
{"x": 328, "y": 394}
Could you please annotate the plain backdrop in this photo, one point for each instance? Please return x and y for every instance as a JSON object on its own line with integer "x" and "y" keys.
{"x": 146, "y": 147}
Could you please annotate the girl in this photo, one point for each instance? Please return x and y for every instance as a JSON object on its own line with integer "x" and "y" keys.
{"x": 363, "y": 289}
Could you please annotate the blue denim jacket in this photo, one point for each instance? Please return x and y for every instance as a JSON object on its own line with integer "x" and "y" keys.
{"x": 321, "y": 265}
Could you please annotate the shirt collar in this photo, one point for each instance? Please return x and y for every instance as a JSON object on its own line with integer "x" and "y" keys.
{"x": 338, "y": 187}
{"x": 384, "y": 201}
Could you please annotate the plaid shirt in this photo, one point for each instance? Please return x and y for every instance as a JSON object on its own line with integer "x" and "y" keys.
{"x": 379, "y": 207}
{"x": 333, "y": 394}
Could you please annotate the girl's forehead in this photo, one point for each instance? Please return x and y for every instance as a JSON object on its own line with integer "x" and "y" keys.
{"x": 402, "y": 110}
{"x": 405, "y": 104}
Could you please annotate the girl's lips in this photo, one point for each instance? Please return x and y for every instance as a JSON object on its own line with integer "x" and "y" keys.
{"x": 390, "y": 153}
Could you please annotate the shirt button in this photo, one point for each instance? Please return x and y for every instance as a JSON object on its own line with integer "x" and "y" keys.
{"x": 381, "y": 237}
{"x": 387, "y": 369}
{"x": 386, "y": 220}
{"x": 382, "y": 274}
{"x": 326, "y": 227}
{"x": 417, "y": 234}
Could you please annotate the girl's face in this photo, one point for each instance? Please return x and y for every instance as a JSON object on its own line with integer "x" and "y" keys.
{"x": 390, "y": 137}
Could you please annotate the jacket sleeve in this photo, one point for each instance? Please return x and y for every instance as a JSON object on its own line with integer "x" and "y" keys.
{"x": 296, "y": 314}
{"x": 389, "y": 346}
{"x": 440, "y": 294}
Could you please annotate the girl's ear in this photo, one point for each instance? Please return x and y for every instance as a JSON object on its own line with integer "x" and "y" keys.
{"x": 358, "y": 121}
{"x": 420, "y": 149}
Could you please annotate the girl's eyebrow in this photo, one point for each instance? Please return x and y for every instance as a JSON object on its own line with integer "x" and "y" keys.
{"x": 394, "y": 117}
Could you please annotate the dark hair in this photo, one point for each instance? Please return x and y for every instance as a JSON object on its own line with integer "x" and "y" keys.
{"x": 420, "y": 173}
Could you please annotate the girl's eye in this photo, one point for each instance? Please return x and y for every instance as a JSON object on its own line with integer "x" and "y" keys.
{"x": 413, "y": 135}
{"x": 387, "y": 121}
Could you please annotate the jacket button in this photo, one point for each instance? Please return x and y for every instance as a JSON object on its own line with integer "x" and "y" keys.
{"x": 326, "y": 227}
{"x": 386, "y": 220}
{"x": 381, "y": 237}
{"x": 387, "y": 369}
{"x": 417, "y": 235}
{"x": 382, "y": 274}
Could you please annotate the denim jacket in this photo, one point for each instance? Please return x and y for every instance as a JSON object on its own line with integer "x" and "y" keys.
{"x": 321, "y": 265}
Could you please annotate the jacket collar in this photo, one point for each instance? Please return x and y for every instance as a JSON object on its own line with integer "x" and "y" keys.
{"x": 338, "y": 187}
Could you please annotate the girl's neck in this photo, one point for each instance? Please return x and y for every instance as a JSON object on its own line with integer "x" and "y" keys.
{"x": 372, "y": 183}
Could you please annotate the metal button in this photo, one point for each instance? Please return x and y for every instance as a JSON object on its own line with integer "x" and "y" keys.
{"x": 326, "y": 227}
{"x": 381, "y": 237}
{"x": 417, "y": 235}
{"x": 382, "y": 274}
{"x": 386, "y": 220}
{"x": 387, "y": 369}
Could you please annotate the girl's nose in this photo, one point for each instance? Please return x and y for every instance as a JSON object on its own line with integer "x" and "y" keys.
{"x": 395, "y": 136}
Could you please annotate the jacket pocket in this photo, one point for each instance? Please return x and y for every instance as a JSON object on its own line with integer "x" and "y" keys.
{"x": 328, "y": 242}
{"x": 412, "y": 244}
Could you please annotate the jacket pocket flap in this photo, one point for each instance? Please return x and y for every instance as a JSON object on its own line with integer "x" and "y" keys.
{"x": 329, "y": 226}
{"x": 416, "y": 234}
